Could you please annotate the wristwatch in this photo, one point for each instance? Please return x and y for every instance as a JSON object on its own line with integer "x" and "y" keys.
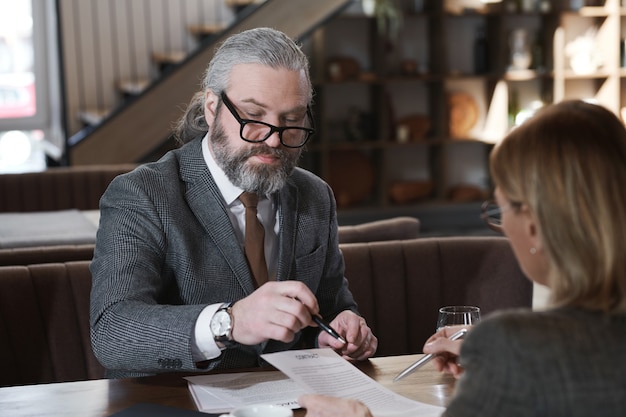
{"x": 222, "y": 326}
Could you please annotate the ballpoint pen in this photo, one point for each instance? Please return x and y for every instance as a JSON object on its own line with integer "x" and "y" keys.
{"x": 326, "y": 327}
{"x": 426, "y": 358}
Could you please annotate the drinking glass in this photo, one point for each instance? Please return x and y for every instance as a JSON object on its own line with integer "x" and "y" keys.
{"x": 457, "y": 315}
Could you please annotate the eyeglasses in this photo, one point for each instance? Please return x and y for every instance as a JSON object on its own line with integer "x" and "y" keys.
{"x": 491, "y": 213}
{"x": 255, "y": 131}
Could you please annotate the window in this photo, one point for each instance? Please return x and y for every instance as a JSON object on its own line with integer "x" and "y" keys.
{"x": 30, "y": 123}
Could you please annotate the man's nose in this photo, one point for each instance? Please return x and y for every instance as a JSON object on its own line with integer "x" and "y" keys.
{"x": 273, "y": 140}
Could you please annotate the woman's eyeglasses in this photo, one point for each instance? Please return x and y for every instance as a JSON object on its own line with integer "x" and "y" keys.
{"x": 491, "y": 213}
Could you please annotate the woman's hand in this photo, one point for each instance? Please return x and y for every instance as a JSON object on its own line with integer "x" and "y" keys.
{"x": 446, "y": 351}
{"x": 326, "y": 406}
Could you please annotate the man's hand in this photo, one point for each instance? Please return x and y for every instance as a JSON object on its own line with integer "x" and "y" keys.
{"x": 276, "y": 310}
{"x": 362, "y": 343}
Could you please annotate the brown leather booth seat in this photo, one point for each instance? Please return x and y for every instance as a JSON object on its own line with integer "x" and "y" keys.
{"x": 59, "y": 188}
{"x": 388, "y": 229}
{"x": 395, "y": 228}
{"x": 44, "y": 324}
{"x": 399, "y": 286}
{"x": 46, "y": 254}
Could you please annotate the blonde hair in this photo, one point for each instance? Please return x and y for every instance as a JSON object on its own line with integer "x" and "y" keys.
{"x": 568, "y": 165}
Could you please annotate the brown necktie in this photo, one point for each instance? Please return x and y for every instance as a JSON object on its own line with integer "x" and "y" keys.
{"x": 254, "y": 239}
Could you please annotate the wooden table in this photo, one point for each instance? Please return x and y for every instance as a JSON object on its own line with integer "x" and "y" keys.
{"x": 46, "y": 228}
{"x": 101, "y": 398}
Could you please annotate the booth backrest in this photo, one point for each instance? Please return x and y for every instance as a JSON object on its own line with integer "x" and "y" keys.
{"x": 59, "y": 188}
{"x": 46, "y": 254}
{"x": 395, "y": 228}
{"x": 44, "y": 324}
{"x": 400, "y": 285}
{"x": 389, "y": 229}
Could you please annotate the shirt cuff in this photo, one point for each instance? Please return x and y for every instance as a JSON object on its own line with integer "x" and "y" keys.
{"x": 203, "y": 344}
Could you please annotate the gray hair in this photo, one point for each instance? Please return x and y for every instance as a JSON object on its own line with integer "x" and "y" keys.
{"x": 264, "y": 46}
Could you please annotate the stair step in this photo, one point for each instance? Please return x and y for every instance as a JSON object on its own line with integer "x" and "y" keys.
{"x": 93, "y": 117}
{"x": 133, "y": 87}
{"x": 172, "y": 57}
{"x": 241, "y": 3}
{"x": 206, "y": 30}
{"x": 167, "y": 60}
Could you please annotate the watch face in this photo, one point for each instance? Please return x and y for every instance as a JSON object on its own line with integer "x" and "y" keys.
{"x": 220, "y": 324}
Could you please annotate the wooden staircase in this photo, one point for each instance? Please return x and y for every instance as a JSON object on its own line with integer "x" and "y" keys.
{"x": 163, "y": 61}
{"x": 141, "y": 129}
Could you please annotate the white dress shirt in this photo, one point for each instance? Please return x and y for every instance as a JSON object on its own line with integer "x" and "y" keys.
{"x": 204, "y": 347}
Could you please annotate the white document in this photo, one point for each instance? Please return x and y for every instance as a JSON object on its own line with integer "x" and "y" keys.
{"x": 223, "y": 392}
{"x": 323, "y": 371}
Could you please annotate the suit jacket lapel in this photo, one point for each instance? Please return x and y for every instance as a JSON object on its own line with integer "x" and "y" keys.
{"x": 206, "y": 202}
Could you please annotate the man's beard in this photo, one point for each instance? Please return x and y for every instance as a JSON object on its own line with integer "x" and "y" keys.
{"x": 262, "y": 179}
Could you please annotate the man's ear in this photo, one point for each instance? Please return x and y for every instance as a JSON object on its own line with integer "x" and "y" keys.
{"x": 210, "y": 106}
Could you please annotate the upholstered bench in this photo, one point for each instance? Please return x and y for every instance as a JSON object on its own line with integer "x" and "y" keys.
{"x": 394, "y": 228}
{"x": 59, "y": 188}
{"x": 46, "y": 254}
{"x": 44, "y": 324}
{"x": 70, "y": 235}
{"x": 399, "y": 286}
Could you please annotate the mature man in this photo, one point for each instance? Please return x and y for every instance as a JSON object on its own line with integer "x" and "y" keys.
{"x": 178, "y": 283}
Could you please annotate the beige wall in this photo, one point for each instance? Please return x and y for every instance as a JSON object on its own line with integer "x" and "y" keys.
{"x": 105, "y": 41}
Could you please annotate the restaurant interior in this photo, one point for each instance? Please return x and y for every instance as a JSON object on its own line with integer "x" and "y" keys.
{"x": 410, "y": 98}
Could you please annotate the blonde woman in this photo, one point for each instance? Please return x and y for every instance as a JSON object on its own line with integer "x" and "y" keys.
{"x": 560, "y": 200}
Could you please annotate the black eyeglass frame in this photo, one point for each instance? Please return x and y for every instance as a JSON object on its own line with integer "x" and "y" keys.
{"x": 280, "y": 129}
{"x": 491, "y": 213}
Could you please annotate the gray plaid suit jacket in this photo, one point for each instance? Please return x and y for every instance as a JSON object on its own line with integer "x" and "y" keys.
{"x": 166, "y": 248}
{"x": 561, "y": 363}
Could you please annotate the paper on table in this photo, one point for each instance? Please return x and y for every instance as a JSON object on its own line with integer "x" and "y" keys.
{"x": 323, "y": 371}
{"x": 223, "y": 392}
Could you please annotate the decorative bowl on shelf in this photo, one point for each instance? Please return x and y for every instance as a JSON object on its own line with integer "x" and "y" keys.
{"x": 407, "y": 191}
{"x": 466, "y": 193}
{"x": 463, "y": 114}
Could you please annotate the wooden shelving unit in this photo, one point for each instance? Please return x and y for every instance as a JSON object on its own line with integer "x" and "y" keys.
{"x": 603, "y": 83}
{"x": 366, "y": 84}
